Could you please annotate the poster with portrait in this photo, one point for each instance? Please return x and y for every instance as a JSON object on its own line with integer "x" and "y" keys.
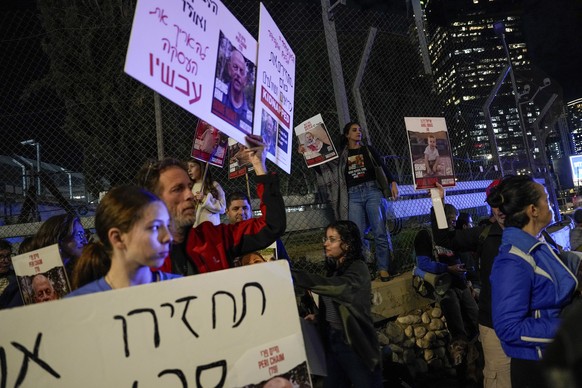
{"x": 275, "y": 91}
{"x": 199, "y": 56}
{"x": 314, "y": 142}
{"x": 430, "y": 152}
{"x": 239, "y": 163}
{"x": 41, "y": 275}
{"x": 221, "y": 329}
{"x": 209, "y": 144}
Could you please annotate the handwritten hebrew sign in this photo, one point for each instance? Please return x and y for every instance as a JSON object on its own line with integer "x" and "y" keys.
{"x": 184, "y": 50}
{"x": 275, "y": 92}
{"x": 230, "y": 328}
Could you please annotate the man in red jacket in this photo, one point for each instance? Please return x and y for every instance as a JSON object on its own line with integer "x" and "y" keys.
{"x": 207, "y": 247}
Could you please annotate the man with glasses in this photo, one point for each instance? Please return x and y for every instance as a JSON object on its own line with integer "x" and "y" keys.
{"x": 207, "y": 247}
{"x": 9, "y": 295}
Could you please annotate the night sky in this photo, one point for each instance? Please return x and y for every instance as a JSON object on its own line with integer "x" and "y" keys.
{"x": 552, "y": 29}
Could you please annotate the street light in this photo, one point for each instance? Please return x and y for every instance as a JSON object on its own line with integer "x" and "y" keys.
{"x": 36, "y": 144}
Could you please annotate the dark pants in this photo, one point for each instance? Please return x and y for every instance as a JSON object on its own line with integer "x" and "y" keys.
{"x": 345, "y": 368}
{"x": 461, "y": 312}
{"x": 526, "y": 374}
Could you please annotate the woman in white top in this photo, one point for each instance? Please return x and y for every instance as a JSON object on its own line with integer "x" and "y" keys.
{"x": 209, "y": 195}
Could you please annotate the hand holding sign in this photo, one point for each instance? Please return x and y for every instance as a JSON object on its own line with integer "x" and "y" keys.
{"x": 257, "y": 153}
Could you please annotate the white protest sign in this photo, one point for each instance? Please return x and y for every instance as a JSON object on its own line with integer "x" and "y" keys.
{"x": 430, "y": 152}
{"x": 317, "y": 147}
{"x": 198, "y": 55}
{"x": 230, "y": 328}
{"x": 41, "y": 275}
{"x": 275, "y": 92}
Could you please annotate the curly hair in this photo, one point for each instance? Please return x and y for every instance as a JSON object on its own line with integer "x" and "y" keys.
{"x": 350, "y": 239}
{"x": 512, "y": 196}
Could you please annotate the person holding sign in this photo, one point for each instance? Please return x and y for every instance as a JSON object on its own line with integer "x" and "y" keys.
{"x": 208, "y": 194}
{"x": 133, "y": 226}
{"x": 352, "y": 350}
{"x": 360, "y": 198}
{"x": 207, "y": 247}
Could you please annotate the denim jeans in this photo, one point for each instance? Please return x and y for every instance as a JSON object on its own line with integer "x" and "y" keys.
{"x": 367, "y": 209}
{"x": 345, "y": 368}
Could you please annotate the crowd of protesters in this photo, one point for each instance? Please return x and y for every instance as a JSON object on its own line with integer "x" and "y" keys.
{"x": 166, "y": 225}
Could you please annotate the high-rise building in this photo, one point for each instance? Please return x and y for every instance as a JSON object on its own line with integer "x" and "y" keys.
{"x": 575, "y": 123}
{"x": 468, "y": 59}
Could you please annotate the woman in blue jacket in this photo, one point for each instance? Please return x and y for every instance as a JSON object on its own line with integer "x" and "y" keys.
{"x": 530, "y": 284}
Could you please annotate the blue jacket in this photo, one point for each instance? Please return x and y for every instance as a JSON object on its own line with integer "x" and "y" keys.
{"x": 530, "y": 285}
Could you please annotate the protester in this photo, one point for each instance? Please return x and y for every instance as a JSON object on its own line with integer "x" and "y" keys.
{"x": 530, "y": 284}
{"x": 360, "y": 198}
{"x": 133, "y": 226}
{"x": 208, "y": 195}
{"x": 208, "y": 247}
{"x": 65, "y": 230}
{"x": 352, "y": 350}
{"x": 485, "y": 239}
{"x": 239, "y": 209}
{"x": 9, "y": 294}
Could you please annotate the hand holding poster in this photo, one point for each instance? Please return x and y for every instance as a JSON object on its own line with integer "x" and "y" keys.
{"x": 430, "y": 151}
{"x": 229, "y": 328}
{"x": 239, "y": 162}
{"x": 41, "y": 275}
{"x": 314, "y": 142}
{"x": 275, "y": 92}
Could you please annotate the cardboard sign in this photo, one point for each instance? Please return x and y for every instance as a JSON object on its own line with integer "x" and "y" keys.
{"x": 275, "y": 92}
{"x": 430, "y": 152}
{"x": 315, "y": 142}
{"x": 209, "y": 144}
{"x": 41, "y": 275}
{"x": 230, "y": 328}
{"x": 199, "y": 56}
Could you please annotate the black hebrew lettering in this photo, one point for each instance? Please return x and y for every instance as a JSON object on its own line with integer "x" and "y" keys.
{"x": 124, "y": 329}
{"x": 3, "y": 368}
{"x": 187, "y": 299}
{"x": 244, "y": 294}
{"x": 155, "y": 319}
{"x": 171, "y": 306}
{"x": 176, "y": 372}
{"x": 34, "y": 357}
{"x": 244, "y": 309}
{"x": 214, "y": 306}
{"x": 217, "y": 364}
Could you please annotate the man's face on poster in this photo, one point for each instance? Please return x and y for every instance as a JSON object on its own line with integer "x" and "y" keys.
{"x": 237, "y": 70}
{"x": 43, "y": 289}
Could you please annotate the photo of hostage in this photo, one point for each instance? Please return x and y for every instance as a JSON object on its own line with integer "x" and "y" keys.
{"x": 432, "y": 157}
{"x": 269, "y": 132}
{"x": 43, "y": 289}
{"x": 210, "y": 139}
{"x": 234, "y": 84}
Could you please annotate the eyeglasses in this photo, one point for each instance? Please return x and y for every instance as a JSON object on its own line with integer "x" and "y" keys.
{"x": 330, "y": 239}
{"x": 80, "y": 235}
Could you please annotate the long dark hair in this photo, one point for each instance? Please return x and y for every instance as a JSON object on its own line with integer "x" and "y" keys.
{"x": 208, "y": 184}
{"x": 350, "y": 240}
{"x": 120, "y": 208}
{"x": 343, "y": 139}
{"x": 55, "y": 230}
{"x": 512, "y": 196}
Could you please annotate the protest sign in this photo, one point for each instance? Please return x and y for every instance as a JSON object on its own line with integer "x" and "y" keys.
{"x": 41, "y": 275}
{"x": 230, "y": 328}
{"x": 430, "y": 152}
{"x": 209, "y": 144}
{"x": 275, "y": 92}
{"x": 239, "y": 162}
{"x": 199, "y": 56}
{"x": 316, "y": 144}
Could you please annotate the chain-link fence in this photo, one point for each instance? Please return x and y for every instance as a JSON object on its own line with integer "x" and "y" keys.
{"x": 87, "y": 126}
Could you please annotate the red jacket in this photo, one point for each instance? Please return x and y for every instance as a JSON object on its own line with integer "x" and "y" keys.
{"x": 214, "y": 247}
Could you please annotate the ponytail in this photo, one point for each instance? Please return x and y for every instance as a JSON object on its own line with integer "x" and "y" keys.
{"x": 93, "y": 264}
